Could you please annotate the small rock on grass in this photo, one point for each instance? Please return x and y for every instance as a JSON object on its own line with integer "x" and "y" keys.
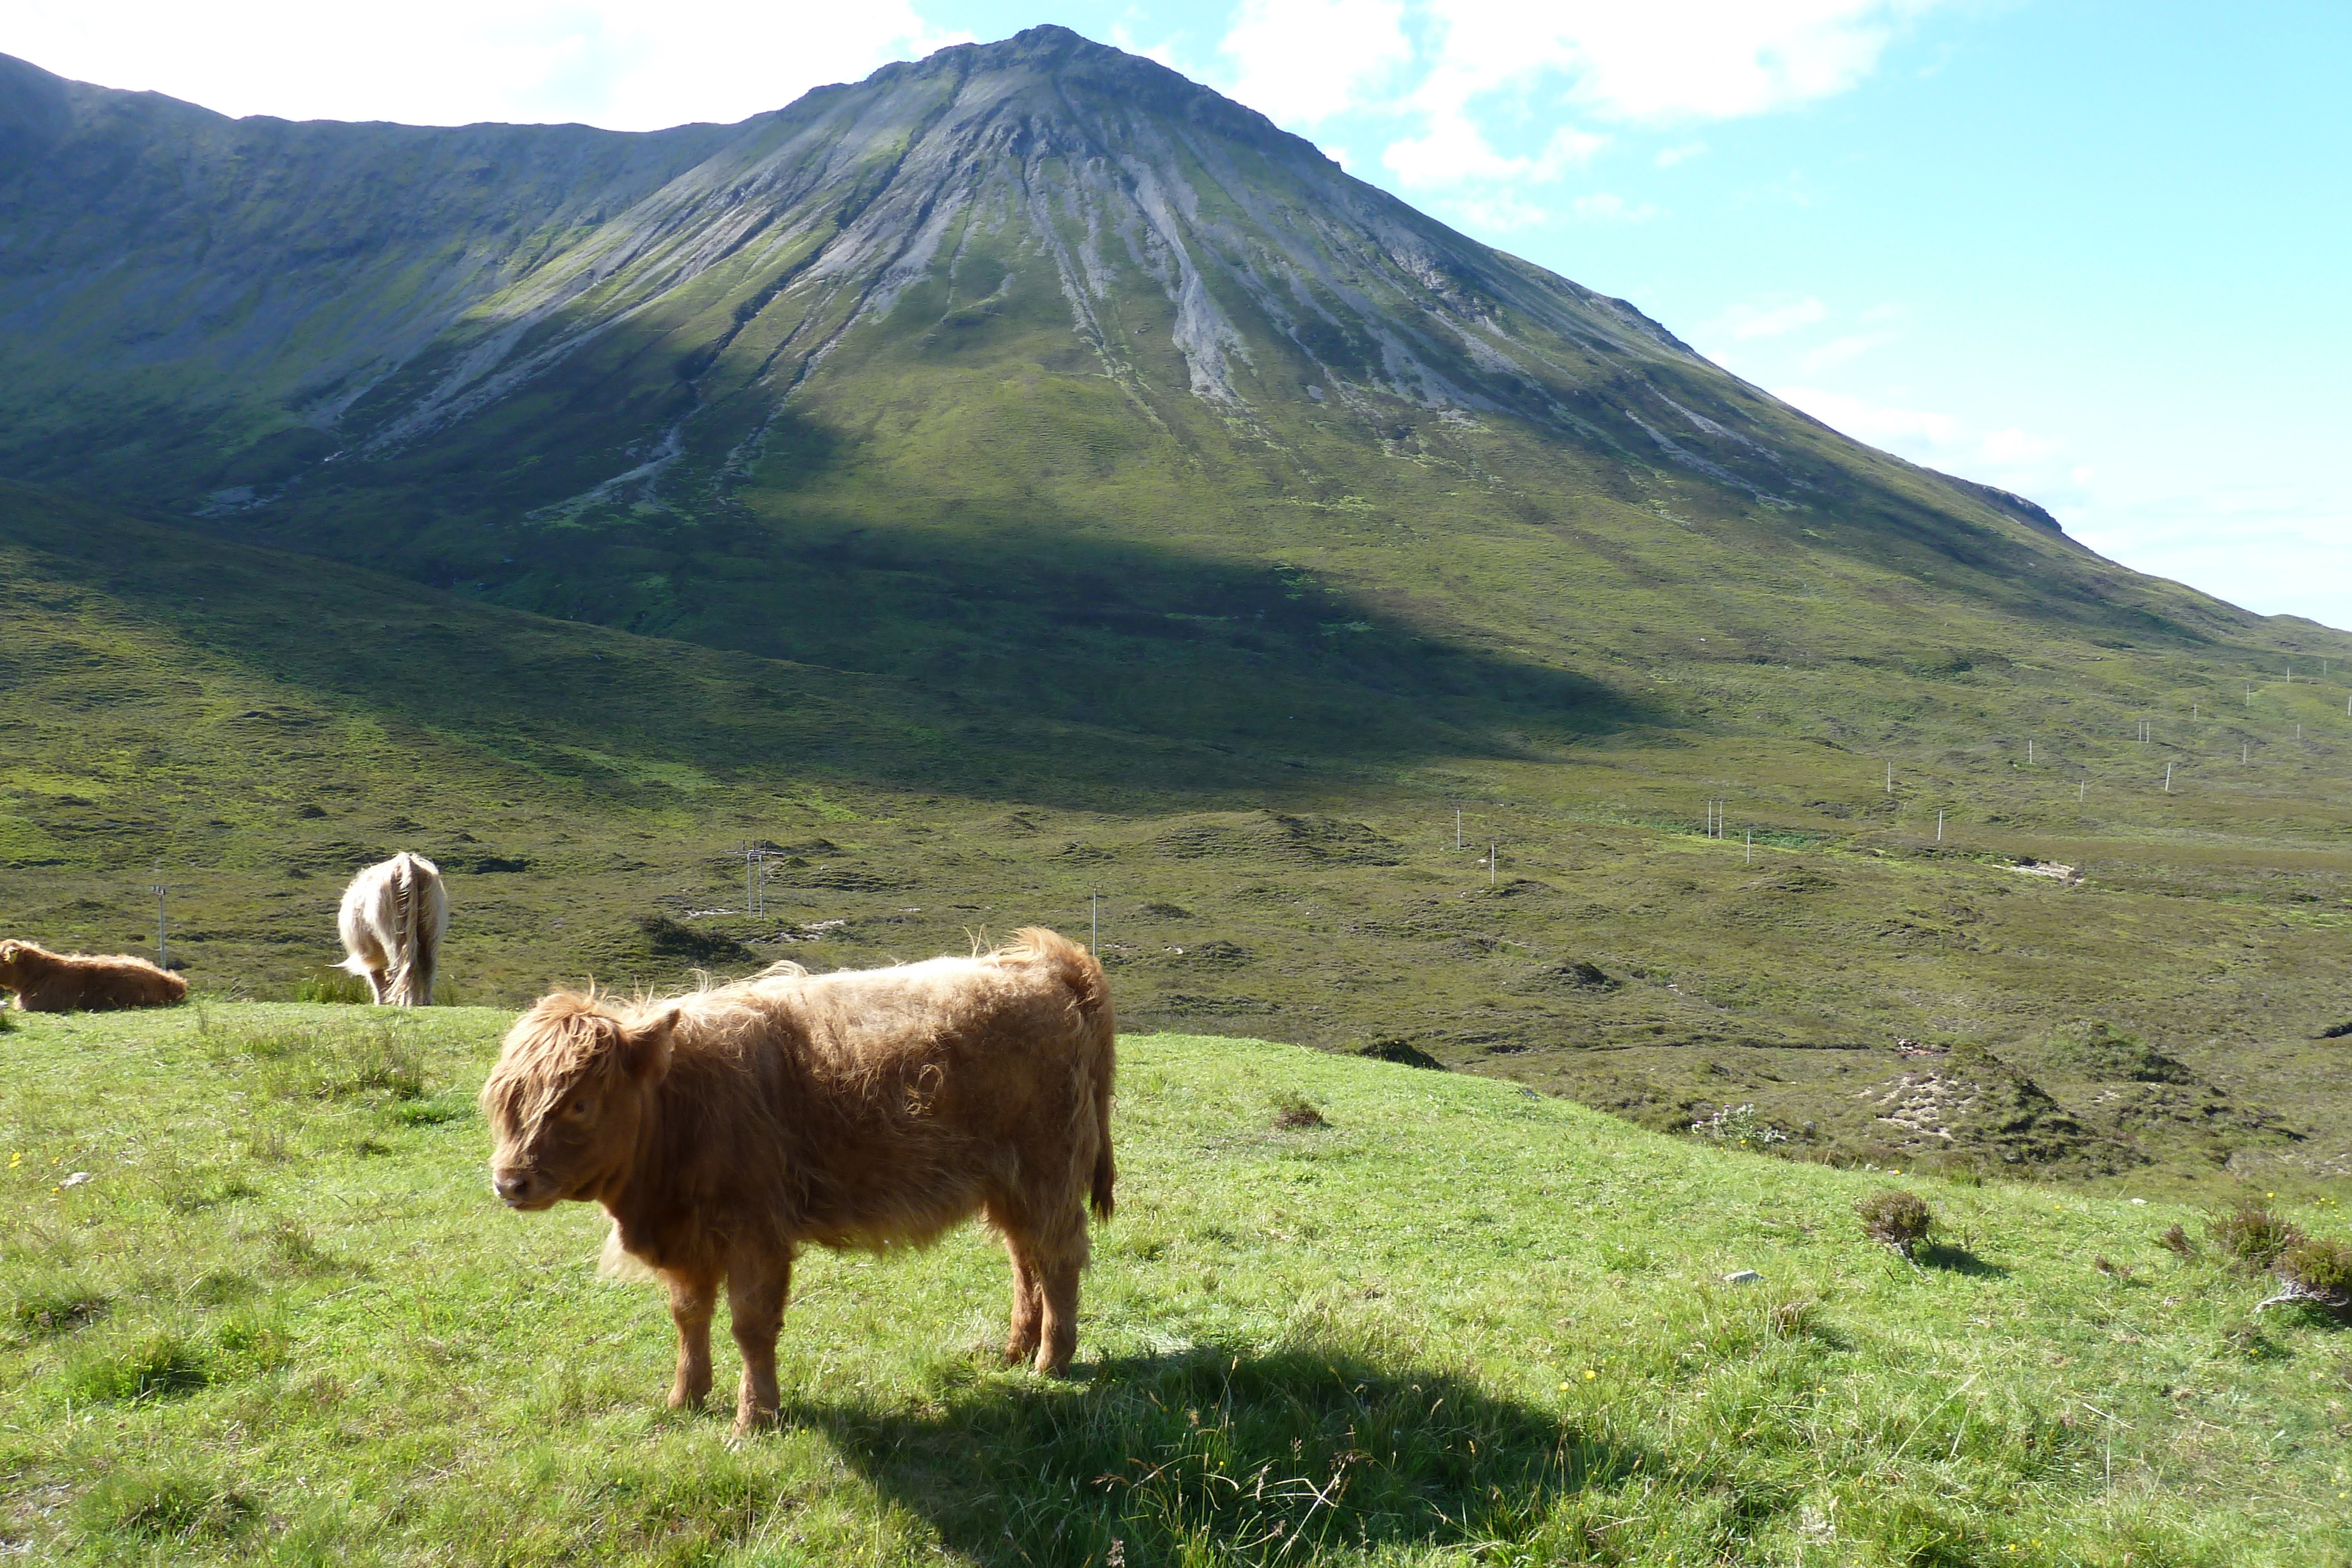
{"x": 1742, "y": 1277}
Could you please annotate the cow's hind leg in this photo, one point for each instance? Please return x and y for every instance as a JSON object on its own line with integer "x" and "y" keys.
{"x": 756, "y": 1290}
{"x": 1058, "y": 1333}
{"x": 692, "y": 1299}
{"x": 1028, "y": 1278}
{"x": 1028, "y": 1300}
{"x": 1047, "y": 1262}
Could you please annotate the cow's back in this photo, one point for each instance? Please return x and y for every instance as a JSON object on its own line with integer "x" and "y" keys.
{"x": 913, "y": 1093}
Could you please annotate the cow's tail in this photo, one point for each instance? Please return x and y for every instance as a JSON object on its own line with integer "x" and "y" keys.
{"x": 427, "y": 912}
{"x": 414, "y": 961}
{"x": 1083, "y": 974}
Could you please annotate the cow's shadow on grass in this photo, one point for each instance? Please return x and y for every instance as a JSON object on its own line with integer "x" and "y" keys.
{"x": 1214, "y": 1455}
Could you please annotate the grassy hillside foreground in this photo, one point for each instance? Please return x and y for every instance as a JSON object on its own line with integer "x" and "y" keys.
{"x": 283, "y": 1321}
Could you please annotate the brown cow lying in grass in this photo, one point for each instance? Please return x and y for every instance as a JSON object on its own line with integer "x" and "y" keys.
{"x": 47, "y": 982}
{"x": 721, "y": 1131}
{"x": 393, "y": 917}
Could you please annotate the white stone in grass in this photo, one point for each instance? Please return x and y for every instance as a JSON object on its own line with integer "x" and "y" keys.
{"x": 1742, "y": 1277}
{"x": 76, "y": 1179}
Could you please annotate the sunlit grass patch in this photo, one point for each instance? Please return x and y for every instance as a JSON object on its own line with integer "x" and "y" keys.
{"x": 1451, "y": 1322}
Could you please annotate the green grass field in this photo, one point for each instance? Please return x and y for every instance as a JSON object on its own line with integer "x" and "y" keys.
{"x": 282, "y": 1320}
{"x": 249, "y": 726}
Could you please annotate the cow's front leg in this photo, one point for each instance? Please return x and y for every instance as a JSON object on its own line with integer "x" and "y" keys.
{"x": 756, "y": 1289}
{"x": 692, "y": 1299}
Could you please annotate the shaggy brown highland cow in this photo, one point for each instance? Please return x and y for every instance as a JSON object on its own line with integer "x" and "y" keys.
{"x": 47, "y": 982}
{"x": 868, "y": 1108}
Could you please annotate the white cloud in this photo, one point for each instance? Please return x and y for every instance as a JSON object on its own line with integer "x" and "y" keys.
{"x": 1750, "y": 321}
{"x": 2012, "y": 447}
{"x": 2275, "y": 549}
{"x": 1875, "y": 422}
{"x": 1501, "y": 211}
{"x": 1680, "y": 60}
{"x": 1455, "y": 152}
{"x": 1303, "y": 61}
{"x": 2030, "y": 464}
{"x": 1483, "y": 70}
{"x": 446, "y": 62}
{"x": 1607, "y": 206}
{"x": 1838, "y": 351}
{"x": 1664, "y": 61}
{"x": 1123, "y": 36}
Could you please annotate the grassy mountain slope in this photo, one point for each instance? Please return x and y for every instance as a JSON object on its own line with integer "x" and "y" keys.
{"x": 253, "y": 725}
{"x": 1018, "y": 339}
{"x": 284, "y": 1322}
{"x": 1031, "y": 372}
{"x": 187, "y": 298}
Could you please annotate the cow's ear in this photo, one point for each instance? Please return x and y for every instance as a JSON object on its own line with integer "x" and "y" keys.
{"x": 644, "y": 1046}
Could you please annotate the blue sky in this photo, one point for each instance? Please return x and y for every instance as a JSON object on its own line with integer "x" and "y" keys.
{"x": 2095, "y": 252}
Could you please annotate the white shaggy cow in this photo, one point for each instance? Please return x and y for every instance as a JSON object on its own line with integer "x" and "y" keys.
{"x": 392, "y": 919}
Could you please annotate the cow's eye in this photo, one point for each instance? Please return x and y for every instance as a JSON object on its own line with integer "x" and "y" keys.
{"x": 577, "y": 1108}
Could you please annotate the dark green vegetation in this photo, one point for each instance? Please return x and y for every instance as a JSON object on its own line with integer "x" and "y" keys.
{"x": 1026, "y": 477}
{"x": 1439, "y": 1321}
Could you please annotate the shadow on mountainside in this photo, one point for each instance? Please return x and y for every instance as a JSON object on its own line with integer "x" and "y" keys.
{"x": 1067, "y": 670}
{"x": 1215, "y": 1454}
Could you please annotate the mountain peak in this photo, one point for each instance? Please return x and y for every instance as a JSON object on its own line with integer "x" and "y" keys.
{"x": 1087, "y": 277}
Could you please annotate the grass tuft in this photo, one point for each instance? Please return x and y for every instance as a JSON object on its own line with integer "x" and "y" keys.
{"x": 1402, "y": 1053}
{"x": 297, "y": 1254}
{"x": 160, "y": 1366}
{"x": 1295, "y": 1112}
{"x": 340, "y": 986}
{"x": 2316, "y": 1270}
{"x": 178, "y": 1503}
{"x": 1797, "y": 1318}
{"x": 1737, "y": 1126}
{"x": 670, "y": 938}
{"x": 43, "y": 1310}
{"x": 2252, "y": 1235}
{"x": 379, "y": 1061}
{"x": 1896, "y": 1218}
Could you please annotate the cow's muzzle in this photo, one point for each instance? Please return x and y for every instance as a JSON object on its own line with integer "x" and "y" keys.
{"x": 521, "y": 1190}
